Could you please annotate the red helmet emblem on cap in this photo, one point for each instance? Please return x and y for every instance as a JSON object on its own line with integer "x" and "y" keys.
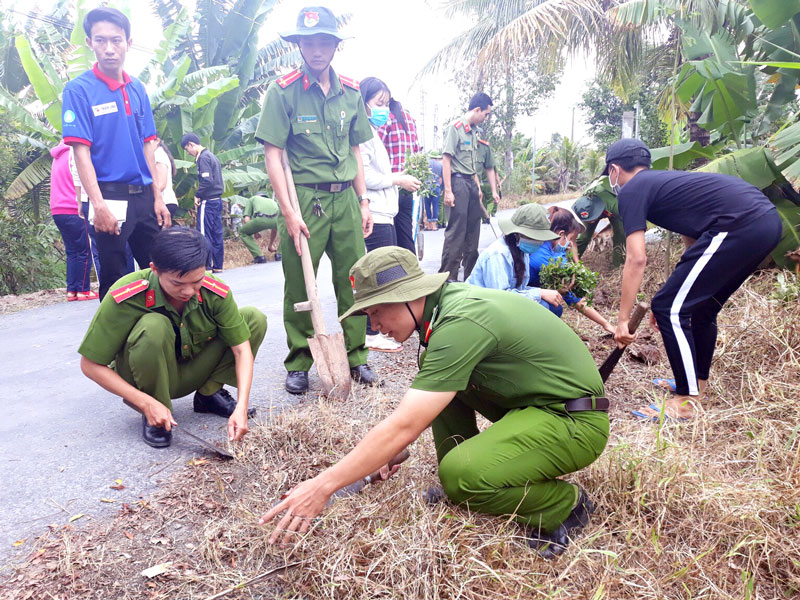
{"x": 584, "y": 214}
{"x": 311, "y": 19}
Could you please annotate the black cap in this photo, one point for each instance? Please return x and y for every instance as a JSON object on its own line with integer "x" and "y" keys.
{"x": 624, "y": 150}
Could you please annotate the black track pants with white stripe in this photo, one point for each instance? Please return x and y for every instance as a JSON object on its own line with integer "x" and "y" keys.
{"x": 686, "y": 307}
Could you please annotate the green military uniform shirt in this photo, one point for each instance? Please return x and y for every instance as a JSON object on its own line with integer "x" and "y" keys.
{"x": 211, "y": 314}
{"x": 462, "y": 144}
{"x": 258, "y": 206}
{"x": 316, "y": 130}
{"x": 602, "y": 189}
{"x": 532, "y": 359}
{"x": 485, "y": 158}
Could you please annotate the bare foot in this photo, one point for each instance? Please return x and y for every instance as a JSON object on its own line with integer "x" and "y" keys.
{"x": 676, "y": 407}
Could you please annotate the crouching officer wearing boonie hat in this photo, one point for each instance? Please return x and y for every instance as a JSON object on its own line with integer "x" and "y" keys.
{"x": 488, "y": 352}
{"x": 320, "y": 119}
{"x": 597, "y": 202}
{"x": 170, "y": 330}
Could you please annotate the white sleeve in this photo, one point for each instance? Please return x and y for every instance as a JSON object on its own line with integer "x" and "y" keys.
{"x": 73, "y": 169}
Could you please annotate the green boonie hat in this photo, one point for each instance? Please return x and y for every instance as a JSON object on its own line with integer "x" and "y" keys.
{"x": 435, "y": 154}
{"x": 529, "y": 220}
{"x": 313, "y": 20}
{"x": 589, "y": 208}
{"x": 388, "y": 275}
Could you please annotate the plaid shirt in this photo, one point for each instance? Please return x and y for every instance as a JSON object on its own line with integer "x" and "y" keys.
{"x": 398, "y": 141}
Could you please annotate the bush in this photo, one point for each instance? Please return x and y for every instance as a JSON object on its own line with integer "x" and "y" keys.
{"x": 31, "y": 255}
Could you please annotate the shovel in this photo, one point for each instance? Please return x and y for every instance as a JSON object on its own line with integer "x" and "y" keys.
{"x": 207, "y": 445}
{"x": 639, "y": 311}
{"x": 328, "y": 351}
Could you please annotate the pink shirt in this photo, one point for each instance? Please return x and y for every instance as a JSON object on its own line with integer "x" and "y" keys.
{"x": 62, "y": 185}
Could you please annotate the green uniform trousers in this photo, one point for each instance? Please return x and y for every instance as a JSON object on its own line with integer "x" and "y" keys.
{"x": 148, "y": 362}
{"x": 512, "y": 466}
{"x": 336, "y": 232}
{"x": 252, "y": 227}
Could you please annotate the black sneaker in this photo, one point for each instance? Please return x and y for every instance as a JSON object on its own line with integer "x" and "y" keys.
{"x": 260, "y": 259}
{"x": 550, "y": 545}
{"x": 364, "y": 374}
{"x": 297, "y": 382}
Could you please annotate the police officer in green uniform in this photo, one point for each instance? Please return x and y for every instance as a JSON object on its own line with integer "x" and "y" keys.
{"x": 164, "y": 332}
{"x": 530, "y": 375}
{"x": 599, "y": 201}
{"x": 260, "y": 214}
{"x": 459, "y": 167}
{"x": 320, "y": 119}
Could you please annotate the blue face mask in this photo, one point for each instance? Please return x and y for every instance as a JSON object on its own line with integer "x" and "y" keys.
{"x": 564, "y": 246}
{"x": 528, "y": 247}
{"x": 379, "y": 116}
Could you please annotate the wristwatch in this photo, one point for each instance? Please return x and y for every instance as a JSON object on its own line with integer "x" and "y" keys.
{"x": 363, "y": 199}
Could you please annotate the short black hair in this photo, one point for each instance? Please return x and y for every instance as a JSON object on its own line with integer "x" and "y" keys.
{"x": 109, "y": 15}
{"x": 480, "y": 100}
{"x": 629, "y": 164}
{"x": 179, "y": 249}
{"x": 189, "y": 138}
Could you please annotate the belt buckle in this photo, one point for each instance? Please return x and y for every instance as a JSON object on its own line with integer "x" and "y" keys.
{"x": 336, "y": 187}
{"x": 134, "y": 189}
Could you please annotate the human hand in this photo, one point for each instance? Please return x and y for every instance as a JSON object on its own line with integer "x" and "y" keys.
{"x": 105, "y": 221}
{"x": 449, "y": 198}
{"x": 496, "y": 197}
{"x": 162, "y": 214}
{"x": 653, "y": 322}
{"x": 158, "y": 415}
{"x": 197, "y": 201}
{"x": 296, "y": 227}
{"x": 622, "y": 334}
{"x": 237, "y": 424}
{"x": 366, "y": 219}
{"x": 480, "y": 194}
{"x": 302, "y": 504}
{"x": 409, "y": 183}
{"x": 552, "y": 297}
{"x": 386, "y": 471}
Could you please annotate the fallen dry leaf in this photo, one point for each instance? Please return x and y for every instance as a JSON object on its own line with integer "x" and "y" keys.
{"x": 20, "y": 542}
{"x": 75, "y": 517}
{"x": 128, "y": 535}
{"x": 107, "y": 500}
{"x": 155, "y": 570}
{"x": 646, "y": 353}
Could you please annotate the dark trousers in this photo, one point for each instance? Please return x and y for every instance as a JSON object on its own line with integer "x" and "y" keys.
{"x": 432, "y": 207}
{"x": 403, "y": 221}
{"x": 137, "y": 231}
{"x": 209, "y": 222}
{"x": 686, "y": 307}
{"x": 76, "y": 246}
{"x": 463, "y": 228}
{"x": 383, "y": 234}
{"x": 93, "y": 245}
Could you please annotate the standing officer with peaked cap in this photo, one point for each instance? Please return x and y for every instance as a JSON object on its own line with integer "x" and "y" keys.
{"x": 320, "y": 119}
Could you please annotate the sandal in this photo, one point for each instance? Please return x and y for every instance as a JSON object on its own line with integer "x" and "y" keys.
{"x": 90, "y": 295}
{"x": 665, "y": 383}
{"x": 72, "y": 296}
{"x": 656, "y": 418}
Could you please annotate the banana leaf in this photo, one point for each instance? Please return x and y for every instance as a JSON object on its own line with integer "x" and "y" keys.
{"x": 774, "y": 13}
{"x": 754, "y": 165}
{"x": 212, "y": 91}
{"x": 790, "y": 238}
{"x": 683, "y": 155}
{"x": 20, "y": 114}
{"x": 35, "y": 173}
{"x": 45, "y": 90}
{"x": 785, "y": 146}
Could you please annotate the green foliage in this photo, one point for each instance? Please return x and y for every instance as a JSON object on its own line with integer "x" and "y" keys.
{"x": 417, "y": 165}
{"x": 30, "y": 255}
{"x": 568, "y": 276}
{"x": 787, "y": 287}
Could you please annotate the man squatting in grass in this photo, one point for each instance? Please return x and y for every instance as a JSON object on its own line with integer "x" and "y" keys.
{"x": 108, "y": 121}
{"x": 728, "y": 227}
{"x": 170, "y": 330}
{"x": 320, "y": 119}
{"x": 532, "y": 376}
{"x": 260, "y": 214}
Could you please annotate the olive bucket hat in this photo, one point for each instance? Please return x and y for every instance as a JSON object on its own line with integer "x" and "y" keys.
{"x": 311, "y": 21}
{"x": 388, "y": 275}
{"x": 589, "y": 208}
{"x": 530, "y": 221}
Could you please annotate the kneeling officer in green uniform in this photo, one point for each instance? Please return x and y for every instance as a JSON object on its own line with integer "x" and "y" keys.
{"x": 164, "y": 332}
{"x": 531, "y": 375}
{"x": 260, "y": 214}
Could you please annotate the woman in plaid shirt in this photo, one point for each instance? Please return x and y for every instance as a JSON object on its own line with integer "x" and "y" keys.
{"x": 399, "y": 136}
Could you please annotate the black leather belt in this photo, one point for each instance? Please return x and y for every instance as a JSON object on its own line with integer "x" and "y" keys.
{"x": 328, "y": 187}
{"x": 462, "y": 175}
{"x": 586, "y": 403}
{"x": 111, "y": 188}
{"x": 263, "y": 215}
{"x": 209, "y": 199}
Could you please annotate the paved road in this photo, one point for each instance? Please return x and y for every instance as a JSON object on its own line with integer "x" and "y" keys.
{"x": 64, "y": 440}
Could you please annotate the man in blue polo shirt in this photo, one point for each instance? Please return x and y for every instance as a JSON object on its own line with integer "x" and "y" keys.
{"x": 108, "y": 121}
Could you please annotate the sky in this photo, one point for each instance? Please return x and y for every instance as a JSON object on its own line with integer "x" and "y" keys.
{"x": 392, "y": 40}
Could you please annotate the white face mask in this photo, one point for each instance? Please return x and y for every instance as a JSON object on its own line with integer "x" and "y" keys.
{"x": 615, "y": 187}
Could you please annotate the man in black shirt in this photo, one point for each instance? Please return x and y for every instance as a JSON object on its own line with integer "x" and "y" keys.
{"x": 208, "y": 197}
{"x": 728, "y": 227}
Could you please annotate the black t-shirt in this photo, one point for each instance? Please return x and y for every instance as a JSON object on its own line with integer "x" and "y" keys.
{"x": 689, "y": 203}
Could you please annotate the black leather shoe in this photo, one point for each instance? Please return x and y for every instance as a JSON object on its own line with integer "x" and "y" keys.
{"x": 157, "y": 437}
{"x": 219, "y": 403}
{"x": 260, "y": 259}
{"x": 364, "y": 374}
{"x": 434, "y": 494}
{"x": 297, "y": 382}
{"x": 278, "y": 257}
{"x": 550, "y": 545}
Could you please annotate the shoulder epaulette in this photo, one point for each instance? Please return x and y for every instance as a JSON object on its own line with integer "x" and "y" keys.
{"x": 128, "y": 290}
{"x": 289, "y": 78}
{"x": 457, "y": 124}
{"x": 349, "y": 82}
{"x": 484, "y": 142}
{"x": 219, "y": 288}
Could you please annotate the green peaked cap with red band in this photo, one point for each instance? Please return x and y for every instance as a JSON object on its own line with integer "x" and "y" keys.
{"x": 388, "y": 275}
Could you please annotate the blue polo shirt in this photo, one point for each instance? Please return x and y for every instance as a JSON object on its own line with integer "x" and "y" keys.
{"x": 115, "y": 120}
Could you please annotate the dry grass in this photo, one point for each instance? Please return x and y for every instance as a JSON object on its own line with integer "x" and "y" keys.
{"x": 705, "y": 509}
{"x": 515, "y": 200}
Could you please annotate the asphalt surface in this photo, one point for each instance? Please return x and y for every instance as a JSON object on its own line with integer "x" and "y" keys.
{"x": 64, "y": 441}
